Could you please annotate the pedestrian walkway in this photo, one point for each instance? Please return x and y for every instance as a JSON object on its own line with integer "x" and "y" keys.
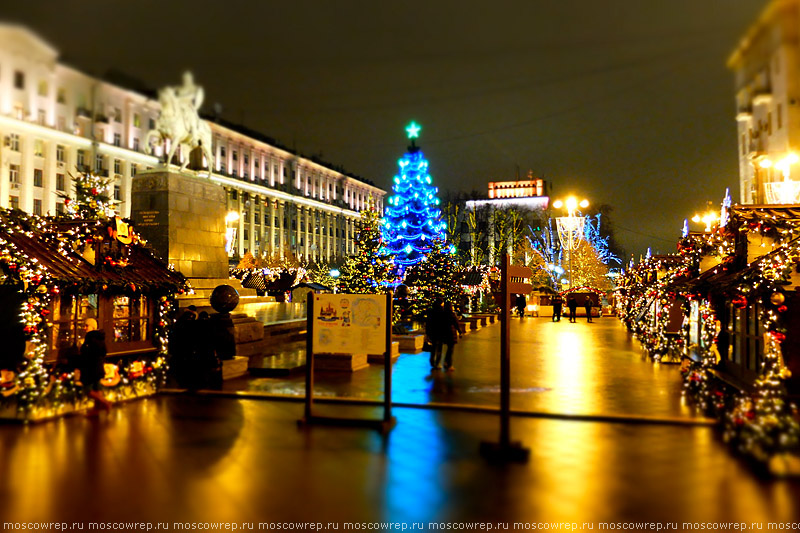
{"x": 556, "y": 368}
{"x": 203, "y": 458}
{"x": 207, "y": 457}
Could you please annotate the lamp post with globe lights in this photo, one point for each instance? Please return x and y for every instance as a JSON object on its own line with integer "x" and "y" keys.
{"x": 570, "y": 227}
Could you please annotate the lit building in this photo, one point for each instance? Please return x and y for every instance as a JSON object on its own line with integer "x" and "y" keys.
{"x": 765, "y": 64}
{"x": 517, "y": 189}
{"x": 510, "y": 206}
{"x": 56, "y": 120}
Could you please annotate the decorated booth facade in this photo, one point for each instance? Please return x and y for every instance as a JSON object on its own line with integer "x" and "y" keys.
{"x": 737, "y": 286}
{"x": 58, "y": 279}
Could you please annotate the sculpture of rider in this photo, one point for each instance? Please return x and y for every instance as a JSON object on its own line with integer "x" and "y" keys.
{"x": 190, "y": 98}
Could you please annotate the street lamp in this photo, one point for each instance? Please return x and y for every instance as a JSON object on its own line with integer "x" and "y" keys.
{"x": 708, "y": 218}
{"x": 570, "y": 227}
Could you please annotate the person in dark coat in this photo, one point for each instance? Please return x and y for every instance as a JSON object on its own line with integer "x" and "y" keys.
{"x": 557, "y": 304}
{"x": 572, "y": 304}
{"x": 93, "y": 355}
{"x": 208, "y": 365}
{"x": 181, "y": 348}
{"x": 434, "y": 328}
{"x": 521, "y": 303}
{"x": 452, "y": 331}
{"x": 587, "y": 304}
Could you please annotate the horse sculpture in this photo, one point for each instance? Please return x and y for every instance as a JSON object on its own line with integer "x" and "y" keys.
{"x": 182, "y": 127}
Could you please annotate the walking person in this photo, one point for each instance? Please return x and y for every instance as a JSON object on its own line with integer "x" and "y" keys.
{"x": 587, "y": 304}
{"x": 434, "y": 328}
{"x": 557, "y": 304}
{"x": 572, "y": 304}
{"x": 521, "y": 303}
{"x": 452, "y": 331}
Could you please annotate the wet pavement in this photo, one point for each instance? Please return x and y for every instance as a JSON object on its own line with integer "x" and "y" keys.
{"x": 202, "y": 457}
{"x": 556, "y": 367}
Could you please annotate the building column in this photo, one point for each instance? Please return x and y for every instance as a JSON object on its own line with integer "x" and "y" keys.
{"x": 49, "y": 180}
{"x": 252, "y": 228}
{"x": 281, "y": 229}
{"x": 26, "y": 175}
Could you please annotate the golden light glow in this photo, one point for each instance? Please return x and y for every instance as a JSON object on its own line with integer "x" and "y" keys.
{"x": 707, "y": 218}
{"x": 558, "y": 204}
{"x": 232, "y": 216}
{"x": 572, "y": 203}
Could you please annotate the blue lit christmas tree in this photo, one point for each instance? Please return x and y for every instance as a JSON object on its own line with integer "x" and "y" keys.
{"x": 412, "y": 219}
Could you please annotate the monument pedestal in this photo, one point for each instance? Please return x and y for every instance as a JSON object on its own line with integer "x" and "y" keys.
{"x": 182, "y": 216}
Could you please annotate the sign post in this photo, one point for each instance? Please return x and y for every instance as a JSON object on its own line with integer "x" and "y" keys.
{"x": 348, "y": 324}
{"x": 511, "y": 281}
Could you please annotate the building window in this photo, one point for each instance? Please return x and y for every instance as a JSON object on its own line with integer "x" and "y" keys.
{"x": 19, "y": 79}
{"x": 748, "y": 338}
{"x": 13, "y": 201}
{"x": 38, "y": 148}
{"x": 60, "y": 209}
{"x": 61, "y": 96}
{"x": 62, "y": 124}
{"x": 117, "y": 193}
{"x": 117, "y": 166}
{"x": 81, "y": 161}
{"x": 137, "y": 120}
{"x": 13, "y": 141}
{"x": 136, "y": 144}
{"x": 246, "y": 235}
{"x": 117, "y": 115}
{"x": 246, "y": 159}
{"x": 43, "y": 88}
{"x": 41, "y": 117}
{"x": 222, "y": 151}
{"x": 60, "y": 185}
{"x": 37, "y": 177}
{"x": 130, "y": 319}
{"x": 134, "y": 169}
{"x": 37, "y": 207}
{"x": 60, "y": 153}
{"x": 152, "y": 124}
{"x": 98, "y": 162}
{"x": 235, "y": 156}
{"x": 13, "y": 175}
{"x": 117, "y": 139}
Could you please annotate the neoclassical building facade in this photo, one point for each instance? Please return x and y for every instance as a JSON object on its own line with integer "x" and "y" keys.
{"x": 56, "y": 120}
{"x": 766, "y": 66}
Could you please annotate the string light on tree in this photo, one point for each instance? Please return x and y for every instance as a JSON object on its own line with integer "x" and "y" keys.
{"x": 412, "y": 219}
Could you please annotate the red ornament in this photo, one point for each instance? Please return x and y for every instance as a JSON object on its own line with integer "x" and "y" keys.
{"x": 778, "y": 336}
{"x": 94, "y": 191}
{"x": 782, "y": 309}
{"x": 740, "y": 302}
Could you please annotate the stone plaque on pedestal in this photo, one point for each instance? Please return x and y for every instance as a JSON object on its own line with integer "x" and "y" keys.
{"x": 183, "y": 217}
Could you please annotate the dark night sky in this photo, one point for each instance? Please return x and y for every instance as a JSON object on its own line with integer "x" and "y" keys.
{"x": 625, "y": 102}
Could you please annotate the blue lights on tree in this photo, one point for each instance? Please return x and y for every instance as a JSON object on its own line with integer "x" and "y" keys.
{"x": 412, "y": 219}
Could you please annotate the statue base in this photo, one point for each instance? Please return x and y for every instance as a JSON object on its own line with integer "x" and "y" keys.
{"x": 182, "y": 216}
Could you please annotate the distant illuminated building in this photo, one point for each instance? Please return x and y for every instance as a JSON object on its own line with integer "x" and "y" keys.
{"x": 766, "y": 73}
{"x": 527, "y": 197}
{"x": 516, "y": 189}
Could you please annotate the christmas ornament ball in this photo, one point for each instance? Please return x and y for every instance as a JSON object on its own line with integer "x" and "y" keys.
{"x": 224, "y": 299}
{"x": 777, "y": 298}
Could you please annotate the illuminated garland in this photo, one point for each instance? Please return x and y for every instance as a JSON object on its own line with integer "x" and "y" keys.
{"x": 438, "y": 275}
{"x": 371, "y": 269}
{"x": 32, "y": 386}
